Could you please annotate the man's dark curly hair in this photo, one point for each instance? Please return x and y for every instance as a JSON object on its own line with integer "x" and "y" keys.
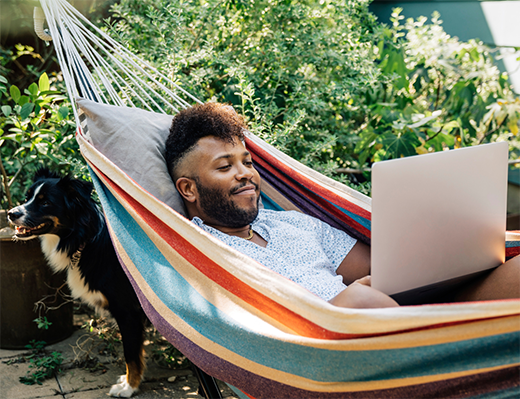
{"x": 203, "y": 120}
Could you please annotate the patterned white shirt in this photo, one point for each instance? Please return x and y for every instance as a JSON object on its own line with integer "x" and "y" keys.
{"x": 299, "y": 247}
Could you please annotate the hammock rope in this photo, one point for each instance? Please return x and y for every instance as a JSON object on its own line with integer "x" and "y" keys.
{"x": 236, "y": 319}
{"x": 81, "y": 48}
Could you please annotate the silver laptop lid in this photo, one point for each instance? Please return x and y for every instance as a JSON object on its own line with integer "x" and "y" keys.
{"x": 438, "y": 216}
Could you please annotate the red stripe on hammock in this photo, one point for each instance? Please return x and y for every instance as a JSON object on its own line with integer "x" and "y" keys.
{"x": 222, "y": 277}
{"x": 511, "y": 252}
{"x": 264, "y": 304}
{"x": 325, "y": 206}
{"x": 305, "y": 181}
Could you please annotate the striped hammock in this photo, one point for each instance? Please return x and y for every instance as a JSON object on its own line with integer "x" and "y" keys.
{"x": 242, "y": 323}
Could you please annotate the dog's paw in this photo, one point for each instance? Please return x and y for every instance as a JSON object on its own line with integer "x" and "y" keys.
{"x": 122, "y": 389}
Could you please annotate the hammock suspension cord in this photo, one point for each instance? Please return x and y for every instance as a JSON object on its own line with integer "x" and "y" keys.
{"x": 98, "y": 68}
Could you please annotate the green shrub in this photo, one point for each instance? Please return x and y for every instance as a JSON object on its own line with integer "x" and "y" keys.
{"x": 36, "y": 128}
{"x": 296, "y": 69}
{"x": 323, "y": 81}
{"x": 444, "y": 93}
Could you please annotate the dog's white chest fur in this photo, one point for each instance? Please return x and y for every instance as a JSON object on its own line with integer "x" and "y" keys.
{"x": 59, "y": 261}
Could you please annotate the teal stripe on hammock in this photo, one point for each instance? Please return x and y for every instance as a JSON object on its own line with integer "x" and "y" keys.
{"x": 313, "y": 363}
{"x": 237, "y": 392}
{"x": 361, "y": 220}
{"x": 269, "y": 204}
{"x": 272, "y": 205}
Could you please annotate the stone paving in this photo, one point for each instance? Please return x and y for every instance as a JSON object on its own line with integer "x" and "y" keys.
{"x": 81, "y": 383}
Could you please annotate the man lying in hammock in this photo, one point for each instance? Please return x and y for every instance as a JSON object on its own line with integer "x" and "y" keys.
{"x": 214, "y": 173}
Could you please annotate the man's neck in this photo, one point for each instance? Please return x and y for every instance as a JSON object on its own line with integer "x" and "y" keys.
{"x": 242, "y": 232}
{"x": 245, "y": 232}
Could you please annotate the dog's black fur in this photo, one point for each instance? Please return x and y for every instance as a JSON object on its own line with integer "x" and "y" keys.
{"x": 61, "y": 212}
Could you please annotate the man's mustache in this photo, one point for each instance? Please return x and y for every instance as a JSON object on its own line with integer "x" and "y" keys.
{"x": 242, "y": 185}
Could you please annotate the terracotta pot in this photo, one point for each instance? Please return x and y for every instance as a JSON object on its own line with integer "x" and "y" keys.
{"x": 25, "y": 278}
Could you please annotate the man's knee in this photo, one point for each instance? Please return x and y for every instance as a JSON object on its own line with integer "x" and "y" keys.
{"x": 362, "y": 297}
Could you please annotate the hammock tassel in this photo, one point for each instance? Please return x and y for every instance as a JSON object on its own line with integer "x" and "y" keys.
{"x": 39, "y": 19}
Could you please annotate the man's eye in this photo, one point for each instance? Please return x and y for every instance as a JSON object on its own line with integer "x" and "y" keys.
{"x": 224, "y": 167}
{"x": 248, "y": 163}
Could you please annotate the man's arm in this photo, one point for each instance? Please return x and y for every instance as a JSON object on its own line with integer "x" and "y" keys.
{"x": 356, "y": 264}
{"x": 355, "y": 270}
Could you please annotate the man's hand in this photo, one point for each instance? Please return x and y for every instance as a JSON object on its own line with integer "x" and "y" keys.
{"x": 367, "y": 280}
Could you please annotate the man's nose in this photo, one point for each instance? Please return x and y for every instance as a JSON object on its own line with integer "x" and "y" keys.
{"x": 244, "y": 172}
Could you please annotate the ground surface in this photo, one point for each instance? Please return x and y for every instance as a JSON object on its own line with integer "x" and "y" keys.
{"x": 92, "y": 380}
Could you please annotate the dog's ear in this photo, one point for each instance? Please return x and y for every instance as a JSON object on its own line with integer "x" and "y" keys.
{"x": 79, "y": 189}
{"x": 45, "y": 173}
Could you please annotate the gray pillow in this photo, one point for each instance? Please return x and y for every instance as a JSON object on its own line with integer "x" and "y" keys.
{"x": 134, "y": 139}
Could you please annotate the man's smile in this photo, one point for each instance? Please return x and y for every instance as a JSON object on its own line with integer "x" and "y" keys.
{"x": 249, "y": 189}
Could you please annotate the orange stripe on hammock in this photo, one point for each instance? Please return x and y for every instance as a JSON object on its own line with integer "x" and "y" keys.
{"x": 315, "y": 199}
{"x": 264, "y": 304}
{"x": 310, "y": 184}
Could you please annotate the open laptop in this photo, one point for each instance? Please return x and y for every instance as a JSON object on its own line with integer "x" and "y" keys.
{"x": 437, "y": 219}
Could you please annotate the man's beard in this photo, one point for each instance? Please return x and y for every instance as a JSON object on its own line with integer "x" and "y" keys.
{"x": 219, "y": 206}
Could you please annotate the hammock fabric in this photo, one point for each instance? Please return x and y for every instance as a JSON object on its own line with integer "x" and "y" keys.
{"x": 268, "y": 337}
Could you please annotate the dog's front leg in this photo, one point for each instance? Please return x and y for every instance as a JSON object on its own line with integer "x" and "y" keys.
{"x": 131, "y": 326}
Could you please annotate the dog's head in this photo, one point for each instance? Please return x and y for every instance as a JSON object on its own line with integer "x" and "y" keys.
{"x": 51, "y": 207}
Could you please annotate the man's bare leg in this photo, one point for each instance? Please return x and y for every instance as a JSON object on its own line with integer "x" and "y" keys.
{"x": 359, "y": 294}
{"x": 502, "y": 283}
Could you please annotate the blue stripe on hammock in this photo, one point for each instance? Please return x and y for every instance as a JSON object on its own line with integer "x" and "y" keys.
{"x": 272, "y": 205}
{"x": 291, "y": 358}
{"x": 269, "y": 203}
{"x": 361, "y": 220}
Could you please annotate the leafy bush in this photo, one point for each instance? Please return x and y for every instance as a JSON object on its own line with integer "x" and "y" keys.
{"x": 294, "y": 68}
{"x": 443, "y": 94}
{"x": 323, "y": 81}
{"x": 36, "y": 126}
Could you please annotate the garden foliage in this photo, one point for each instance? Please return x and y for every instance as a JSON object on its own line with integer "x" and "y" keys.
{"x": 36, "y": 128}
{"x": 323, "y": 80}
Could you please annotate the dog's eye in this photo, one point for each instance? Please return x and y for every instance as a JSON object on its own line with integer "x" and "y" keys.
{"x": 45, "y": 203}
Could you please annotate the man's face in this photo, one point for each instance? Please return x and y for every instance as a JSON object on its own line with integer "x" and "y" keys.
{"x": 227, "y": 186}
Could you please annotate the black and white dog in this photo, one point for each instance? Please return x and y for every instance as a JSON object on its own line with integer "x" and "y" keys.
{"x": 75, "y": 239}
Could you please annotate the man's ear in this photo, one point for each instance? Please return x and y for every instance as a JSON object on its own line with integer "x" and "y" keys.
{"x": 187, "y": 188}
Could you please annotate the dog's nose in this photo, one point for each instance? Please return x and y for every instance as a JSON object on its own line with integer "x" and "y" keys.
{"x": 14, "y": 214}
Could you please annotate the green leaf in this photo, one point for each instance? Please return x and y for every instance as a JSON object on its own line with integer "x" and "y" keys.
{"x": 423, "y": 121}
{"x": 367, "y": 140}
{"x": 6, "y": 109}
{"x": 440, "y": 139}
{"x": 33, "y": 89}
{"x": 64, "y": 112}
{"x": 402, "y": 144}
{"x": 23, "y": 100}
{"x": 448, "y": 127}
{"x": 15, "y": 93}
{"x": 43, "y": 83}
{"x": 26, "y": 110}
{"x": 3, "y": 79}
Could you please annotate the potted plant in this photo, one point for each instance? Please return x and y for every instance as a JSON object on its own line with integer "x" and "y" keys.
{"x": 35, "y": 129}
